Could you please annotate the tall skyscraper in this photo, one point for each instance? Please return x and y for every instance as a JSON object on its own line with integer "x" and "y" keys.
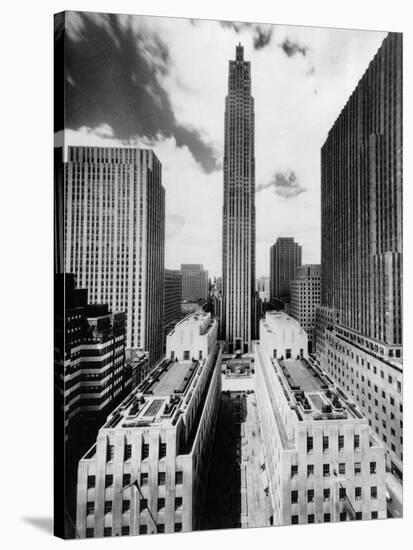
{"x": 114, "y": 223}
{"x": 238, "y": 248}
{"x": 361, "y": 247}
{"x": 305, "y": 295}
{"x": 285, "y": 256}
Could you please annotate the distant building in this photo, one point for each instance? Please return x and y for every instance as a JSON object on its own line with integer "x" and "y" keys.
{"x": 194, "y": 282}
{"x": 305, "y": 296}
{"x": 285, "y": 257}
{"x": 114, "y": 238}
{"x": 238, "y": 248}
{"x": 321, "y": 461}
{"x": 148, "y": 470}
{"x": 359, "y": 323}
{"x": 263, "y": 288}
{"x": 90, "y": 357}
{"x": 172, "y": 300}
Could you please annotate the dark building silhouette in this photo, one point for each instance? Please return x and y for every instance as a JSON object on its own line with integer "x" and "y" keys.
{"x": 285, "y": 257}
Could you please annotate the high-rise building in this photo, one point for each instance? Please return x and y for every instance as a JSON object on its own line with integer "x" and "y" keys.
{"x": 172, "y": 299}
{"x": 322, "y": 462}
{"x": 148, "y": 470}
{"x": 238, "y": 263}
{"x": 90, "y": 357}
{"x": 359, "y": 333}
{"x": 285, "y": 257}
{"x": 194, "y": 282}
{"x": 305, "y": 295}
{"x": 114, "y": 225}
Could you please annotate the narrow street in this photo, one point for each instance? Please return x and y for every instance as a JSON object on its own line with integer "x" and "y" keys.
{"x": 236, "y": 490}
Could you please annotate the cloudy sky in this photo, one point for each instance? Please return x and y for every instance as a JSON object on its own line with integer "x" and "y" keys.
{"x": 161, "y": 83}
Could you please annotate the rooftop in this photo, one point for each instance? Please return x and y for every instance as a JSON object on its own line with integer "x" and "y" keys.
{"x": 276, "y": 321}
{"x": 194, "y": 320}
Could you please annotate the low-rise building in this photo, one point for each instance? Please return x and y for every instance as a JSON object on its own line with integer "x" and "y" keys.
{"x": 148, "y": 470}
{"x": 321, "y": 460}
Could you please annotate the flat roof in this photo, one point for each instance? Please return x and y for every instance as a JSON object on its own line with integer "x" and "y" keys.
{"x": 173, "y": 378}
{"x": 301, "y": 375}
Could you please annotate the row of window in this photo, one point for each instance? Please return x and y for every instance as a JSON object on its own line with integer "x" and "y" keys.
{"x": 341, "y": 469}
{"x": 144, "y": 478}
{"x": 110, "y": 452}
{"x": 143, "y": 505}
{"x": 327, "y": 517}
{"x": 327, "y": 494}
{"x": 143, "y": 529}
{"x": 310, "y": 443}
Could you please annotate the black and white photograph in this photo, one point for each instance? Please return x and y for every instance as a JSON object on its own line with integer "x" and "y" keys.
{"x": 228, "y": 275}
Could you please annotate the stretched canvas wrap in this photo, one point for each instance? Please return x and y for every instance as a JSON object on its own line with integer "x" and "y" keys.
{"x": 228, "y": 275}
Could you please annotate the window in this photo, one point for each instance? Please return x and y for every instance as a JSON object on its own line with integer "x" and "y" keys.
{"x": 342, "y": 493}
{"x": 144, "y": 479}
{"x": 178, "y": 527}
{"x": 110, "y": 452}
{"x": 326, "y": 470}
{"x": 161, "y": 528}
{"x": 373, "y": 492}
{"x": 357, "y": 493}
{"x": 325, "y": 442}
{"x": 294, "y": 470}
{"x": 178, "y": 504}
{"x": 310, "y": 518}
{"x": 294, "y": 497}
{"x": 108, "y": 480}
{"x": 126, "y": 479}
{"x": 342, "y": 468}
{"x": 356, "y": 441}
{"x": 145, "y": 451}
{"x": 294, "y": 520}
{"x": 125, "y": 529}
{"x": 327, "y": 518}
{"x": 373, "y": 468}
{"x": 374, "y": 515}
{"x": 340, "y": 442}
{"x": 178, "y": 478}
{"x": 107, "y": 532}
{"x": 186, "y": 355}
{"x": 310, "y": 470}
{"x": 143, "y": 529}
{"x": 161, "y": 504}
{"x": 90, "y": 508}
{"x": 359, "y": 515}
{"x": 162, "y": 450}
{"x": 108, "y": 506}
{"x": 90, "y": 532}
{"x": 310, "y": 495}
{"x": 125, "y": 506}
{"x": 91, "y": 482}
{"x": 326, "y": 494}
{"x": 161, "y": 478}
{"x": 309, "y": 444}
{"x": 143, "y": 504}
{"x": 343, "y": 516}
{"x": 128, "y": 451}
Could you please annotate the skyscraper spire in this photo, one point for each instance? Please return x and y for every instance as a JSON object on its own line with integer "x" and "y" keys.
{"x": 239, "y": 208}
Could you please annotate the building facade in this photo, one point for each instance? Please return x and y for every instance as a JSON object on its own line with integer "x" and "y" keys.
{"x": 305, "y": 297}
{"x": 361, "y": 246}
{"x": 239, "y": 208}
{"x": 114, "y": 223}
{"x": 322, "y": 463}
{"x": 172, "y": 300}
{"x": 90, "y": 353}
{"x": 147, "y": 471}
{"x": 285, "y": 257}
{"x": 194, "y": 282}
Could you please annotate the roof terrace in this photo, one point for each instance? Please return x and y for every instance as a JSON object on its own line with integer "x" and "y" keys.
{"x": 312, "y": 393}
